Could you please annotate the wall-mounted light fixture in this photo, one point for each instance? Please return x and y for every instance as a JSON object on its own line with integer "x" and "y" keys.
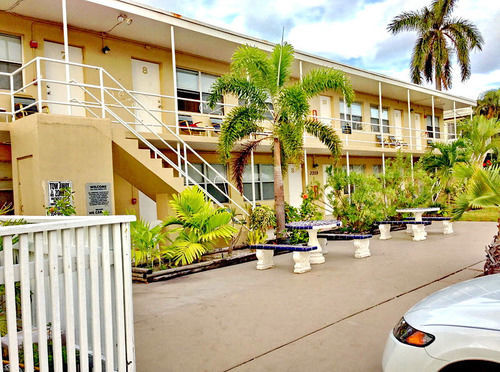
{"x": 105, "y": 49}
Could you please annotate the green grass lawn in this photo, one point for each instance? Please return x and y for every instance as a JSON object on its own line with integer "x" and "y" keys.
{"x": 486, "y": 214}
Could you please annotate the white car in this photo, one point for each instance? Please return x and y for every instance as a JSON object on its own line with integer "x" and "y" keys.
{"x": 454, "y": 329}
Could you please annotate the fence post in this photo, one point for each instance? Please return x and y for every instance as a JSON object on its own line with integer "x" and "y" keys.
{"x": 127, "y": 292}
{"x": 10, "y": 302}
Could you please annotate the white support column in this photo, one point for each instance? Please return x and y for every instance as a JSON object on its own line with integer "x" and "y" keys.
{"x": 253, "y": 178}
{"x": 411, "y": 164}
{"x": 348, "y": 173}
{"x": 306, "y": 178}
{"x": 174, "y": 78}
{"x": 432, "y": 121}
{"x": 409, "y": 123}
{"x": 66, "y": 54}
{"x": 380, "y": 114}
{"x": 383, "y": 164}
{"x": 455, "y": 120}
{"x": 470, "y": 107}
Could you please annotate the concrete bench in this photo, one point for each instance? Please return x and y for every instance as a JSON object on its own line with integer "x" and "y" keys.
{"x": 418, "y": 228}
{"x": 361, "y": 242}
{"x": 447, "y": 224}
{"x": 265, "y": 252}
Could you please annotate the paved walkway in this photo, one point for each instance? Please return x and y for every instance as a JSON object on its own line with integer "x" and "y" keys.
{"x": 334, "y": 318}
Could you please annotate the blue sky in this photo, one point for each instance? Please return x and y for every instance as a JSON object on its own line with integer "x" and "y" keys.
{"x": 350, "y": 31}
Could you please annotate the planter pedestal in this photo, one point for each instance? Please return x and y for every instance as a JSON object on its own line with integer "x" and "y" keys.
{"x": 264, "y": 259}
{"x": 362, "y": 248}
{"x": 385, "y": 231}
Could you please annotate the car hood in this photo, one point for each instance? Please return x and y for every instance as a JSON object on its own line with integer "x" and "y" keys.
{"x": 473, "y": 303}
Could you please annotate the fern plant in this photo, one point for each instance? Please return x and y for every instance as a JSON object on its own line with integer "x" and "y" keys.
{"x": 199, "y": 225}
{"x": 147, "y": 243}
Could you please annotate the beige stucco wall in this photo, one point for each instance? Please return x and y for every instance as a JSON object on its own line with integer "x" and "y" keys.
{"x": 58, "y": 148}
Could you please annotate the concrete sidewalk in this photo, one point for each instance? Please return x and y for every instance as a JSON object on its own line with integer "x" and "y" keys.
{"x": 334, "y": 318}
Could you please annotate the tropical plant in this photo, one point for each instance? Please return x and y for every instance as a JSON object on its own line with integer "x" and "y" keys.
{"x": 488, "y": 104}
{"x": 360, "y": 209}
{"x": 481, "y": 136}
{"x": 404, "y": 188}
{"x": 482, "y": 190}
{"x": 439, "y": 161}
{"x": 147, "y": 241}
{"x": 440, "y": 36}
{"x": 262, "y": 218}
{"x": 310, "y": 209}
{"x": 262, "y": 84}
{"x": 64, "y": 205}
{"x": 256, "y": 237}
{"x": 199, "y": 223}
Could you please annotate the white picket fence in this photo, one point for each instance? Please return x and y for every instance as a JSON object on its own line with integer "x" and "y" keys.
{"x": 68, "y": 294}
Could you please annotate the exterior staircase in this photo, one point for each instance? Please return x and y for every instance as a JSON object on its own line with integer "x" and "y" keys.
{"x": 139, "y": 167}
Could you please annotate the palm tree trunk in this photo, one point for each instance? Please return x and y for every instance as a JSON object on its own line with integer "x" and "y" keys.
{"x": 438, "y": 83}
{"x": 279, "y": 196}
{"x": 492, "y": 264}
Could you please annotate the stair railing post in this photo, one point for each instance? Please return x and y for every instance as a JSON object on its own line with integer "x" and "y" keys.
{"x": 39, "y": 85}
{"x": 12, "y": 105}
{"x": 101, "y": 86}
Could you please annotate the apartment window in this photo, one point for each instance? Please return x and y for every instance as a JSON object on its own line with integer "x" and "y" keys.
{"x": 264, "y": 182}
{"x": 193, "y": 87}
{"x": 10, "y": 60}
{"x": 354, "y": 115}
{"x": 430, "y": 132}
{"x": 377, "y": 169}
{"x": 205, "y": 174}
{"x": 374, "y": 119}
{"x": 355, "y": 168}
{"x": 268, "y": 114}
{"x": 451, "y": 131}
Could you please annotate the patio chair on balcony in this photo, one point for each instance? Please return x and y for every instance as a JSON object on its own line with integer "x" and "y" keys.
{"x": 346, "y": 128}
{"x": 186, "y": 124}
{"x": 216, "y": 124}
{"x": 378, "y": 140}
{"x": 23, "y": 102}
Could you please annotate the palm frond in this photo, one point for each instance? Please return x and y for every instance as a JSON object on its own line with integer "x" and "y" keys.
{"x": 293, "y": 103}
{"x": 241, "y": 160}
{"x": 240, "y": 122}
{"x": 243, "y": 88}
{"x": 281, "y": 60}
{"x": 320, "y": 80}
{"x": 252, "y": 63}
{"x": 407, "y": 21}
{"x": 291, "y": 136}
{"x": 326, "y": 134}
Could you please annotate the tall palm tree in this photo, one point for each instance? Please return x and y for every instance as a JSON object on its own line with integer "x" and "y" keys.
{"x": 482, "y": 190}
{"x": 481, "y": 136}
{"x": 439, "y": 37}
{"x": 262, "y": 84}
{"x": 488, "y": 104}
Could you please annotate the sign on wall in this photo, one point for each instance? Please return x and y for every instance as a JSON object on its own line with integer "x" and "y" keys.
{"x": 98, "y": 198}
{"x": 55, "y": 191}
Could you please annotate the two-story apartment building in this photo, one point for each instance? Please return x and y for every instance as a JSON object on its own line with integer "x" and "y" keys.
{"x": 109, "y": 97}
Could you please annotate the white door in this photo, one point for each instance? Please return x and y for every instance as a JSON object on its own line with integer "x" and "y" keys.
{"x": 328, "y": 209}
{"x": 325, "y": 109}
{"x": 397, "y": 124}
{"x": 418, "y": 132}
{"x": 56, "y": 71}
{"x": 295, "y": 185}
{"x": 146, "y": 79}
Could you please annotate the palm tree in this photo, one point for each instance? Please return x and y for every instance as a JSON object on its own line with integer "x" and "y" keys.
{"x": 482, "y": 190}
{"x": 441, "y": 163}
{"x": 439, "y": 37}
{"x": 262, "y": 84}
{"x": 481, "y": 136}
{"x": 488, "y": 104}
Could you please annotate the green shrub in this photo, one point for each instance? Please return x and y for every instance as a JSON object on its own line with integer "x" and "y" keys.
{"x": 147, "y": 243}
{"x": 363, "y": 207}
{"x": 199, "y": 225}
